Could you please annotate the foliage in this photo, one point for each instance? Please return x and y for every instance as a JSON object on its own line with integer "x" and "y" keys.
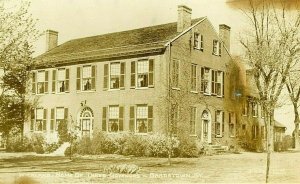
{"x": 187, "y": 147}
{"x": 51, "y": 147}
{"x": 287, "y": 142}
{"x": 17, "y": 33}
{"x": 62, "y": 131}
{"x": 122, "y": 169}
{"x": 158, "y": 145}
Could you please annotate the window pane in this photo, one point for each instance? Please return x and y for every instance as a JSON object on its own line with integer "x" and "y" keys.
{"x": 61, "y": 74}
{"x": 142, "y": 66}
{"x": 142, "y": 125}
{"x": 114, "y": 112}
{"x": 41, "y": 76}
{"x": 115, "y": 69}
{"x": 39, "y": 113}
{"x": 60, "y": 113}
{"x": 86, "y": 72}
{"x": 142, "y": 112}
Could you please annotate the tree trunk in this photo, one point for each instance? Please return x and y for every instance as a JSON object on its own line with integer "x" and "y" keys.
{"x": 270, "y": 141}
{"x": 296, "y": 130}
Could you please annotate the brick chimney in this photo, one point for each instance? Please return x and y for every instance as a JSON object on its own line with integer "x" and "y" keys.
{"x": 184, "y": 18}
{"x": 51, "y": 39}
{"x": 224, "y": 33}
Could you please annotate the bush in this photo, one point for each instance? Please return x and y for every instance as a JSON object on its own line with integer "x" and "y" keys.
{"x": 122, "y": 169}
{"x": 134, "y": 145}
{"x": 287, "y": 142}
{"x": 49, "y": 148}
{"x": 187, "y": 147}
{"x": 16, "y": 144}
{"x": 158, "y": 145}
{"x": 62, "y": 131}
{"x": 38, "y": 143}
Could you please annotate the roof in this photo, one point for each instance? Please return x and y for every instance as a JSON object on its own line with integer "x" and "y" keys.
{"x": 279, "y": 125}
{"x": 142, "y": 40}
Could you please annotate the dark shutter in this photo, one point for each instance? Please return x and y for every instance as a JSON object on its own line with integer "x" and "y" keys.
{"x": 46, "y": 81}
{"x": 151, "y": 73}
{"x": 213, "y": 78}
{"x": 104, "y": 118}
{"x": 32, "y": 117}
{"x": 52, "y": 121}
{"x": 122, "y": 77}
{"x": 220, "y": 48}
{"x": 105, "y": 77}
{"x": 132, "y": 119}
{"x": 201, "y": 79}
{"x": 66, "y": 114}
{"x": 223, "y": 118}
{"x": 93, "y": 77}
{"x": 121, "y": 118}
{"x": 33, "y": 90}
{"x": 132, "y": 76}
{"x": 150, "y": 118}
{"x": 45, "y": 120}
{"x": 53, "y": 80}
{"x": 201, "y": 43}
{"x": 78, "y": 80}
{"x": 67, "y": 80}
{"x": 223, "y": 81}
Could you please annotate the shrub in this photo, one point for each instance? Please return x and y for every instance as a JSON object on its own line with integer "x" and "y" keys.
{"x": 134, "y": 145}
{"x": 38, "y": 143}
{"x": 187, "y": 147}
{"x": 287, "y": 142}
{"x": 49, "y": 148}
{"x": 158, "y": 145}
{"x": 102, "y": 143}
{"x": 122, "y": 169}
{"x": 62, "y": 131}
{"x": 16, "y": 144}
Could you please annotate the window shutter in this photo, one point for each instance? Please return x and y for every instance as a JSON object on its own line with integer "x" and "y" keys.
{"x": 104, "y": 115}
{"x": 52, "y": 121}
{"x": 46, "y": 81}
{"x": 32, "y": 117}
{"x": 93, "y": 77}
{"x": 33, "y": 90}
{"x": 216, "y": 122}
{"x": 151, "y": 73}
{"x": 223, "y": 81}
{"x": 78, "y": 80}
{"x": 150, "y": 118}
{"x": 201, "y": 43}
{"x": 223, "y": 119}
{"x": 202, "y": 78}
{"x": 67, "y": 80}
{"x": 66, "y": 114}
{"x": 220, "y": 48}
{"x": 45, "y": 120}
{"x": 105, "y": 77}
{"x": 53, "y": 80}
{"x": 132, "y": 76}
{"x": 132, "y": 119}
{"x": 213, "y": 78}
{"x": 122, "y": 77}
{"x": 121, "y": 118}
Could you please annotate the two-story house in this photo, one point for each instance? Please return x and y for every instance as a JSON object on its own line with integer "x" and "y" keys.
{"x": 119, "y": 82}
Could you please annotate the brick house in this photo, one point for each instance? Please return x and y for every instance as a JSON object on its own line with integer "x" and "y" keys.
{"x": 118, "y": 82}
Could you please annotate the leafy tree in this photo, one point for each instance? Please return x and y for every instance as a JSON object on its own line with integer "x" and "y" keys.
{"x": 17, "y": 33}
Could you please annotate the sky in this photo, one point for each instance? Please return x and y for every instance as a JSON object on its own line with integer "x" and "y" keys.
{"x": 82, "y": 18}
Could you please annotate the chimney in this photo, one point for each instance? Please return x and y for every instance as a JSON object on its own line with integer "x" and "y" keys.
{"x": 184, "y": 18}
{"x": 51, "y": 39}
{"x": 224, "y": 33}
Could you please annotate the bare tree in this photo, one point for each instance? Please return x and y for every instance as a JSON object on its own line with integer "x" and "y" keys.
{"x": 270, "y": 47}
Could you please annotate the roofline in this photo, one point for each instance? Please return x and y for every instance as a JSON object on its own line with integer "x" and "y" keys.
{"x": 185, "y": 31}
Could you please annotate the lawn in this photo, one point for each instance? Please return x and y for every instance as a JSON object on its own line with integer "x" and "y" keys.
{"x": 238, "y": 168}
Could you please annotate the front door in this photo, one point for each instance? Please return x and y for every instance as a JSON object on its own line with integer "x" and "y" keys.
{"x": 206, "y": 126}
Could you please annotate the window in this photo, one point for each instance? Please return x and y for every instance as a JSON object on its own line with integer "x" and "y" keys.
{"x": 42, "y": 82}
{"x": 175, "y": 73}
{"x": 142, "y": 74}
{"x": 231, "y": 124}
{"x": 62, "y": 80}
{"x": 117, "y": 75}
{"x": 193, "y": 121}
{"x": 217, "y": 48}
{"x": 219, "y": 83}
{"x": 205, "y": 80}
{"x": 254, "y": 109}
{"x": 198, "y": 41}
{"x": 86, "y": 78}
{"x": 245, "y": 108}
{"x": 255, "y": 131}
{"x": 38, "y": 119}
{"x": 142, "y": 119}
{"x": 194, "y": 77}
{"x": 113, "y": 122}
{"x": 219, "y": 123}
{"x": 59, "y": 115}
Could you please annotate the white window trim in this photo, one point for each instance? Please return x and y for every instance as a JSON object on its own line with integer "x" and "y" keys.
{"x": 221, "y": 124}
{"x": 109, "y": 79}
{"x": 136, "y": 73}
